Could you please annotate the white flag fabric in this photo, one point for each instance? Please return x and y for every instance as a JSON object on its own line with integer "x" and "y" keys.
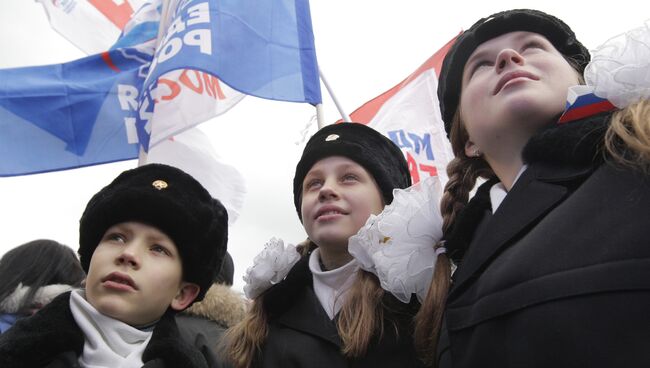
{"x": 192, "y": 152}
{"x": 409, "y": 114}
{"x": 186, "y": 98}
{"x": 91, "y": 25}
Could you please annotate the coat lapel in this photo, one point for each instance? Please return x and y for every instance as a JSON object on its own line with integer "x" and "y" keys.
{"x": 537, "y": 191}
{"x": 307, "y": 315}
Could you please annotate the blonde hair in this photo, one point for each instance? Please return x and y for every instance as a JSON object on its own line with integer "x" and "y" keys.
{"x": 627, "y": 139}
{"x": 627, "y": 142}
{"x": 361, "y": 318}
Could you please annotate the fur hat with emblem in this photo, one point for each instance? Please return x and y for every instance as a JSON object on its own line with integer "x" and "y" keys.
{"x": 528, "y": 20}
{"x": 361, "y": 144}
{"x": 175, "y": 203}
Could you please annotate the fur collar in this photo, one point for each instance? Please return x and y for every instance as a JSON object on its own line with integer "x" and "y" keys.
{"x": 43, "y": 296}
{"x": 52, "y": 331}
{"x": 220, "y": 304}
{"x": 578, "y": 142}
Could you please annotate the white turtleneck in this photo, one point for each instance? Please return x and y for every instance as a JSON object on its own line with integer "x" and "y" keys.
{"x": 108, "y": 342}
{"x": 330, "y": 286}
{"x": 498, "y": 191}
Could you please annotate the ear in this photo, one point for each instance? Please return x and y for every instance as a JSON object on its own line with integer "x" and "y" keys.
{"x": 185, "y": 296}
{"x": 470, "y": 148}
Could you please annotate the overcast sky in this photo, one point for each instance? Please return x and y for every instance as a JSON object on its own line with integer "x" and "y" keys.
{"x": 364, "y": 47}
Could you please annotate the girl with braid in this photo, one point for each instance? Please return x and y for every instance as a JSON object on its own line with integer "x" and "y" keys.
{"x": 552, "y": 252}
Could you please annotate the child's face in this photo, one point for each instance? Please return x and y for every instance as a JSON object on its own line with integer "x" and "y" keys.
{"x": 512, "y": 85}
{"x": 338, "y": 196}
{"x": 135, "y": 274}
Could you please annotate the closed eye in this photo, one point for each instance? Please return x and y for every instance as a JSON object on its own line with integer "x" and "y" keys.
{"x": 533, "y": 44}
{"x": 478, "y": 65}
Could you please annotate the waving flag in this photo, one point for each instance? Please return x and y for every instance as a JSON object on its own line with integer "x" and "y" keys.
{"x": 91, "y": 25}
{"x": 71, "y": 115}
{"x": 263, "y": 48}
{"x": 409, "y": 114}
{"x": 97, "y": 109}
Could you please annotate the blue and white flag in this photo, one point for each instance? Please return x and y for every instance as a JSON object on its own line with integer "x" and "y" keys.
{"x": 100, "y": 109}
{"x": 71, "y": 115}
{"x": 263, "y": 48}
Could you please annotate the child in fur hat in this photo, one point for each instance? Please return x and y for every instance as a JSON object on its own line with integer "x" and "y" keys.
{"x": 552, "y": 251}
{"x": 150, "y": 242}
{"x": 327, "y": 312}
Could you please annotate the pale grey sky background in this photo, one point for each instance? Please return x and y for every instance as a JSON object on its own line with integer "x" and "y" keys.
{"x": 364, "y": 47}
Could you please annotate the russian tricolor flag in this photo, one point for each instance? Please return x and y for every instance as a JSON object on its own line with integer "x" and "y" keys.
{"x": 582, "y": 102}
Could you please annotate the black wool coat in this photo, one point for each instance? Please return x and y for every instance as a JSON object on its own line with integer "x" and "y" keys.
{"x": 559, "y": 275}
{"x": 52, "y": 339}
{"x": 302, "y": 335}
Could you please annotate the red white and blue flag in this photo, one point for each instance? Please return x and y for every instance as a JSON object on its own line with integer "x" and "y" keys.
{"x": 409, "y": 114}
{"x": 582, "y": 102}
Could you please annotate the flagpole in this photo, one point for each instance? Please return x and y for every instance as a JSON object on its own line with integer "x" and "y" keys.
{"x": 344, "y": 116}
{"x": 320, "y": 116}
{"x": 162, "y": 25}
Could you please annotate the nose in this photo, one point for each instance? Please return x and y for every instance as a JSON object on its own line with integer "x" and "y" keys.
{"x": 128, "y": 257}
{"x": 327, "y": 191}
{"x": 507, "y": 57}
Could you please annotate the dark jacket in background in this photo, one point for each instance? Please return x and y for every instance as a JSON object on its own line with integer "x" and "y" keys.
{"x": 204, "y": 323}
{"x": 52, "y": 339}
{"x": 301, "y": 333}
{"x": 559, "y": 275}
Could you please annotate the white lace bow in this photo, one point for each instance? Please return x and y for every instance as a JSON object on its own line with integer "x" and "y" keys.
{"x": 269, "y": 267}
{"x": 398, "y": 244}
{"x": 620, "y": 68}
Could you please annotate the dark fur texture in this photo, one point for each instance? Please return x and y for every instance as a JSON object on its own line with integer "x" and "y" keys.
{"x": 184, "y": 211}
{"x": 363, "y": 145}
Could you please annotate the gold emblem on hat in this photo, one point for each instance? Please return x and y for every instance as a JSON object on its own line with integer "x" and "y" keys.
{"x": 332, "y": 137}
{"x": 160, "y": 184}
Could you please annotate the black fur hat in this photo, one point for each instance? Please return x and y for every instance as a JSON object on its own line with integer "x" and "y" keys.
{"x": 555, "y": 30}
{"x": 364, "y": 145}
{"x": 170, "y": 200}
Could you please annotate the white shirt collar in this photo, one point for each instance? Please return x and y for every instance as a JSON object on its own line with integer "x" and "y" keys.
{"x": 330, "y": 286}
{"x": 498, "y": 191}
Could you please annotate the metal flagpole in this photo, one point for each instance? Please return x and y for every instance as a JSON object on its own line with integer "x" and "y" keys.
{"x": 344, "y": 116}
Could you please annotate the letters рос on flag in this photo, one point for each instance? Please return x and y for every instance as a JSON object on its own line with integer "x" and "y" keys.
{"x": 259, "y": 48}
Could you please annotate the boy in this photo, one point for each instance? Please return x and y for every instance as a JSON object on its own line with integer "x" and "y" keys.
{"x": 150, "y": 243}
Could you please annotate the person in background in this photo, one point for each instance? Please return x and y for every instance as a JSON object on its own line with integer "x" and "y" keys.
{"x": 204, "y": 323}
{"x": 552, "y": 251}
{"x": 32, "y": 275}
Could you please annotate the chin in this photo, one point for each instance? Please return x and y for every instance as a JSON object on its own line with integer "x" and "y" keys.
{"x": 108, "y": 305}
{"x": 331, "y": 241}
{"x": 531, "y": 103}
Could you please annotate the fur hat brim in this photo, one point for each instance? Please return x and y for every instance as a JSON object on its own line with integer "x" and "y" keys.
{"x": 451, "y": 74}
